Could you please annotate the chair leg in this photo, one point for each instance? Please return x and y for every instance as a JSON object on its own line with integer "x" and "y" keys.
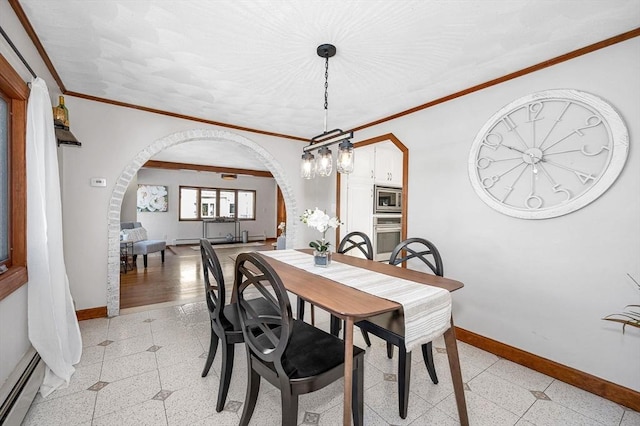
{"x": 365, "y": 336}
{"x": 162, "y": 255}
{"x": 144, "y": 256}
{"x": 427, "y": 354}
{"x": 404, "y": 376}
{"x": 253, "y": 386}
{"x": 389, "y": 350}
{"x": 225, "y": 375}
{"x": 357, "y": 396}
{"x": 336, "y": 324}
{"x": 213, "y": 347}
{"x": 300, "y": 309}
{"x": 289, "y": 407}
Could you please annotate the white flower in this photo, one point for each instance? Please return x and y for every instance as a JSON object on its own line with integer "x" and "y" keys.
{"x": 321, "y": 221}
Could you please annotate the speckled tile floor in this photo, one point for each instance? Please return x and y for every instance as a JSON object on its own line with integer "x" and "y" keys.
{"x": 143, "y": 368}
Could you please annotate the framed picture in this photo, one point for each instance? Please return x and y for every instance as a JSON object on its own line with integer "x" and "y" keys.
{"x": 153, "y": 198}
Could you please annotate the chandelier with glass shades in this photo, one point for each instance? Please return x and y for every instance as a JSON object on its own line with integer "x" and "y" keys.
{"x": 323, "y": 164}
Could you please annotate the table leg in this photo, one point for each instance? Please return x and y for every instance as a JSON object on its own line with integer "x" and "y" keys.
{"x": 348, "y": 369}
{"x": 456, "y": 373}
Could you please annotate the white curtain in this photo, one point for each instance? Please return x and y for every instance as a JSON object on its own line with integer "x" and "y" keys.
{"x": 53, "y": 327}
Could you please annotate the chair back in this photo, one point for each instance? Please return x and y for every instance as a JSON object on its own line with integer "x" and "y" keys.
{"x": 418, "y": 248}
{"x": 213, "y": 280}
{"x": 356, "y": 240}
{"x": 266, "y": 335}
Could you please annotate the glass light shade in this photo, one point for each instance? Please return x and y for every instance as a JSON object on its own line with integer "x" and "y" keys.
{"x": 344, "y": 162}
{"x": 323, "y": 163}
{"x": 308, "y": 166}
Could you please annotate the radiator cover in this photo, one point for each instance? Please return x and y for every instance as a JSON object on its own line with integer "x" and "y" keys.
{"x": 21, "y": 387}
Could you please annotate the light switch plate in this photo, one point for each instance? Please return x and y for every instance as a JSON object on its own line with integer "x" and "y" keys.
{"x": 99, "y": 181}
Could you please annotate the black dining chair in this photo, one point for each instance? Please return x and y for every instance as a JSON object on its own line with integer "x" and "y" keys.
{"x": 360, "y": 243}
{"x": 290, "y": 354}
{"x": 225, "y": 325}
{"x": 390, "y": 326}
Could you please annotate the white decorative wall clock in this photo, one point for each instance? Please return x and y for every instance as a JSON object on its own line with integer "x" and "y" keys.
{"x": 548, "y": 154}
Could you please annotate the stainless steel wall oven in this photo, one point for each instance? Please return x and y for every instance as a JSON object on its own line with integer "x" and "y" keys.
{"x": 387, "y": 234}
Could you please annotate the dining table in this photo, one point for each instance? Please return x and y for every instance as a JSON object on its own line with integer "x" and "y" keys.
{"x": 352, "y": 305}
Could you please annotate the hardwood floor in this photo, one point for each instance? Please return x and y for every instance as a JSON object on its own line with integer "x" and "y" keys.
{"x": 179, "y": 278}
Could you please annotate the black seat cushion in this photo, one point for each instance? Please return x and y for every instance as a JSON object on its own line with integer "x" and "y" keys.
{"x": 312, "y": 351}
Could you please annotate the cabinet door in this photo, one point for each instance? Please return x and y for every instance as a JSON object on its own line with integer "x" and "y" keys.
{"x": 395, "y": 172}
{"x": 388, "y": 164}
{"x": 360, "y": 207}
{"x": 363, "y": 163}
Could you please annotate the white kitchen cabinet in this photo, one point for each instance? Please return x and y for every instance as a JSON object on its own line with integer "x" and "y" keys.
{"x": 363, "y": 163}
{"x": 388, "y": 164}
{"x": 375, "y": 164}
{"x": 356, "y": 193}
{"x": 359, "y": 206}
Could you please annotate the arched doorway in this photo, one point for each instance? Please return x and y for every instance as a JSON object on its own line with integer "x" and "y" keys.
{"x": 115, "y": 203}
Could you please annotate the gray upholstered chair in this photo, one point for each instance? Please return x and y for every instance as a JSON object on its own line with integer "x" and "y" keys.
{"x": 144, "y": 246}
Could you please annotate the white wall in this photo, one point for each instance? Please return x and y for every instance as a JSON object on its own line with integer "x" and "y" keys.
{"x": 165, "y": 225}
{"x": 14, "y": 341}
{"x": 112, "y": 137}
{"x": 541, "y": 286}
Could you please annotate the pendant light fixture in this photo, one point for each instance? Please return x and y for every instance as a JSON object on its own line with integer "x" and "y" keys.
{"x": 323, "y": 164}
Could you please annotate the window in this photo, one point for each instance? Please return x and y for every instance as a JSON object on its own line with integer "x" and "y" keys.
{"x": 246, "y": 204}
{"x": 189, "y": 203}
{"x": 13, "y": 197}
{"x": 208, "y": 203}
{"x": 211, "y": 203}
{"x": 227, "y": 204}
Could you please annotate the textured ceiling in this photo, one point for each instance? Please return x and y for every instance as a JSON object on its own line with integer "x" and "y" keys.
{"x": 254, "y": 63}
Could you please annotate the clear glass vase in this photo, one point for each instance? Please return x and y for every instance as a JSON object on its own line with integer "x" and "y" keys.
{"x": 321, "y": 258}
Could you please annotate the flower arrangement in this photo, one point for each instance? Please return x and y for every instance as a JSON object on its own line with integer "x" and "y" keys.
{"x": 281, "y": 227}
{"x": 321, "y": 221}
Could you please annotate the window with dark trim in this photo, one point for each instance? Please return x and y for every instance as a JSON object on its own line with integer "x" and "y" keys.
{"x": 196, "y": 203}
{"x": 13, "y": 192}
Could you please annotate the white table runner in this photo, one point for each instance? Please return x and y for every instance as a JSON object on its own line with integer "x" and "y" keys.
{"x": 427, "y": 309}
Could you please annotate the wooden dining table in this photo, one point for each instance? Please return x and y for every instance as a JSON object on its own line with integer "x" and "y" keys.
{"x": 353, "y": 305}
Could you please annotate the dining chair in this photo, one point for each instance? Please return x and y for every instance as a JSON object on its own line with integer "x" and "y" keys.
{"x": 225, "y": 325}
{"x": 360, "y": 243}
{"x": 390, "y": 326}
{"x": 290, "y": 354}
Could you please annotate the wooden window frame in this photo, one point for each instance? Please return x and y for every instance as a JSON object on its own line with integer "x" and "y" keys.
{"x": 12, "y": 85}
{"x": 217, "y": 190}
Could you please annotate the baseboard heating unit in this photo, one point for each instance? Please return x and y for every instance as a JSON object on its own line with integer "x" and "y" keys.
{"x": 21, "y": 387}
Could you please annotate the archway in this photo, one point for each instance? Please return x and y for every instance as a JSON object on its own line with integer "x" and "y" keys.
{"x": 115, "y": 203}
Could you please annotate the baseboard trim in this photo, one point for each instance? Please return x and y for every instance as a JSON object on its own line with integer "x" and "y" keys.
{"x": 85, "y": 314}
{"x": 611, "y": 391}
